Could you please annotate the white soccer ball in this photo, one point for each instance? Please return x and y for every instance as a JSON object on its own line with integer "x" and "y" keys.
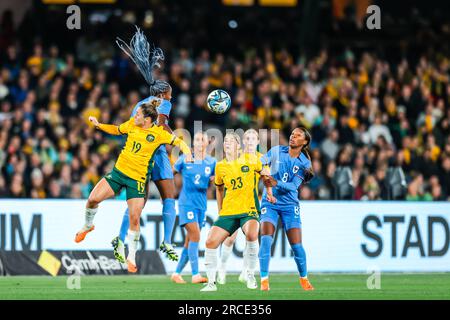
{"x": 218, "y": 101}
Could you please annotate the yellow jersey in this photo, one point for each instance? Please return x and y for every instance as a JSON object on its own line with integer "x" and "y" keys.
{"x": 239, "y": 179}
{"x": 254, "y": 158}
{"x": 136, "y": 156}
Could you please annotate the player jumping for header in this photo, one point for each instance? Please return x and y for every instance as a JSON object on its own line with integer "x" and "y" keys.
{"x": 131, "y": 170}
{"x": 146, "y": 59}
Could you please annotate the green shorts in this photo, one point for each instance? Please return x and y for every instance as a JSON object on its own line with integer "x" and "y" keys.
{"x": 117, "y": 180}
{"x": 233, "y": 222}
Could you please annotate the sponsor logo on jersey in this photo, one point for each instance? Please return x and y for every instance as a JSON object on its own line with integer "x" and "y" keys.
{"x": 253, "y": 214}
{"x": 245, "y": 169}
{"x": 150, "y": 138}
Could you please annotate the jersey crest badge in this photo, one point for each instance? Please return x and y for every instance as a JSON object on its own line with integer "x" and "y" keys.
{"x": 150, "y": 138}
{"x": 207, "y": 170}
{"x": 245, "y": 169}
{"x": 295, "y": 169}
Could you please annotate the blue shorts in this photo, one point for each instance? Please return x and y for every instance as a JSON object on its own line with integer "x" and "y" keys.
{"x": 290, "y": 216}
{"x": 187, "y": 215}
{"x": 162, "y": 169}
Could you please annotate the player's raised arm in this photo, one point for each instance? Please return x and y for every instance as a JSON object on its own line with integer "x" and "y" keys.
{"x": 163, "y": 114}
{"x": 183, "y": 147}
{"x": 110, "y": 128}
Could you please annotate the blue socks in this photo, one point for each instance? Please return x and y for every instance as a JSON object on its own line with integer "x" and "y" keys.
{"x": 189, "y": 254}
{"x": 193, "y": 256}
{"x": 300, "y": 258}
{"x": 169, "y": 214}
{"x": 264, "y": 255}
{"x": 124, "y": 226}
{"x": 183, "y": 260}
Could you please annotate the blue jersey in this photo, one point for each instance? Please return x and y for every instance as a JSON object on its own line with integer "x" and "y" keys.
{"x": 289, "y": 173}
{"x": 196, "y": 178}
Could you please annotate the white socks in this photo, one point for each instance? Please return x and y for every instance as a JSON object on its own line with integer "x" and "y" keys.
{"x": 133, "y": 240}
{"x": 226, "y": 251}
{"x": 89, "y": 217}
{"x": 251, "y": 256}
{"x": 211, "y": 264}
{"x": 245, "y": 260}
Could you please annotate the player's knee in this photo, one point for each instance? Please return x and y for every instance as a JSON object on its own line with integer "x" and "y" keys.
{"x": 93, "y": 201}
{"x": 167, "y": 190}
{"x": 251, "y": 236}
{"x": 168, "y": 194}
{"x": 229, "y": 241}
{"x": 211, "y": 243}
{"x": 194, "y": 236}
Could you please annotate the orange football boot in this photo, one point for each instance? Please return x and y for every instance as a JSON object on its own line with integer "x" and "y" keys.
{"x": 177, "y": 278}
{"x": 199, "y": 279}
{"x": 131, "y": 267}
{"x": 265, "y": 284}
{"x": 82, "y": 234}
{"x": 306, "y": 285}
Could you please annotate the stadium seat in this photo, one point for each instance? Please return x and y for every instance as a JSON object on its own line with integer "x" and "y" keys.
{"x": 343, "y": 183}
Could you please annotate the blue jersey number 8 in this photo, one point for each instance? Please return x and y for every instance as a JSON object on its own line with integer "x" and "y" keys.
{"x": 285, "y": 177}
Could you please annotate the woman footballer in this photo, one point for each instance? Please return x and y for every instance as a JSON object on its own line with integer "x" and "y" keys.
{"x": 192, "y": 203}
{"x": 290, "y": 167}
{"x": 131, "y": 170}
{"x": 250, "y": 141}
{"x": 238, "y": 206}
{"x": 146, "y": 60}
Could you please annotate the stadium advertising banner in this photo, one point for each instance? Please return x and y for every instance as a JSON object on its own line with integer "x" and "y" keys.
{"x": 338, "y": 237}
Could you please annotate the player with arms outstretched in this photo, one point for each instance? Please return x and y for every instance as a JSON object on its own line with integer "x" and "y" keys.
{"x": 131, "y": 170}
{"x": 290, "y": 167}
{"x": 146, "y": 60}
{"x": 238, "y": 208}
{"x": 192, "y": 203}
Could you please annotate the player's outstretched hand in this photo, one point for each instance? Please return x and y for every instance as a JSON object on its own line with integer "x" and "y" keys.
{"x": 308, "y": 175}
{"x": 93, "y": 120}
{"x": 271, "y": 198}
{"x": 269, "y": 181}
{"x": 265, "y": 171}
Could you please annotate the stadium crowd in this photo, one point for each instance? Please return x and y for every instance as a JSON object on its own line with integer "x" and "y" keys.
{"x": 363, "y": 112}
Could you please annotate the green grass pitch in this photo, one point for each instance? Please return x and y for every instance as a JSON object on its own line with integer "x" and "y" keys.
{"x": 283, "y": 286}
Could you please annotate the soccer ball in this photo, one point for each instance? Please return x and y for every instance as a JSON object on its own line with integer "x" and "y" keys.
{"x": 218, "y": 101}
